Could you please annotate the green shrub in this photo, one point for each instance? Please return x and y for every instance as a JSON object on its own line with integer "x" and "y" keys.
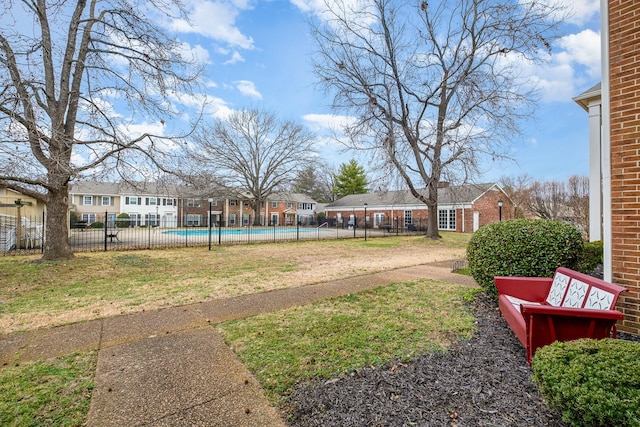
{"x": 591, "y": 257}
{"x": 591, "y": 382}
{"x": 122, "y": 220}
{"x": 97, "y": 224}
{"x": 522, "y": 247}
{"x": 73, "y": 218}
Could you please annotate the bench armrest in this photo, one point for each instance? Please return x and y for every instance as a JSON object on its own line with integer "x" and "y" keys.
{"x": 548, "y": 310}
{"x": 534, "y": 289}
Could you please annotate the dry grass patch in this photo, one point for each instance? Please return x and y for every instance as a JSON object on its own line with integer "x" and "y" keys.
{"x": 94, "y": 285}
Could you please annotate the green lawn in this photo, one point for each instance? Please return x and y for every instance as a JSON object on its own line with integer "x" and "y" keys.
{"x": 321, "y": 340}
{"x": 54, "y": 392}
{"x": 339, "y": 335}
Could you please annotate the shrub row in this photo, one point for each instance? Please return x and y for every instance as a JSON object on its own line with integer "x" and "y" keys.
{"x": 591, "y": 382}
{"x": 522, "y": 247}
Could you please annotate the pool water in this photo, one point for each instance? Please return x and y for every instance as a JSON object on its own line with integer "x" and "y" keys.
{"x": 241, "y": 231}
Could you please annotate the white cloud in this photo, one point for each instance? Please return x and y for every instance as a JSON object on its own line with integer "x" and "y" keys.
{"x": 248, "y": 88}
{"x": 582, "y": 49}
{"x": 576, "y": 12}
{"x": 330, "y": 122}
{"x": 235, "y": 58}
{"x": 196, "y": 53}
{"x": 582, "y": 10}
{"x": 216, "y": 20}
{"x": 575, "y": 65}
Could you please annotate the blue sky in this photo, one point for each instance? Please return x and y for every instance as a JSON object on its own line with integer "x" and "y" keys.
{"x": 259, "y": 56}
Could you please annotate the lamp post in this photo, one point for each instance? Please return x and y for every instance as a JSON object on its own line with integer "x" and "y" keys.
{"x": 500, "y": 209}
{"x": 365, "y": 221}
{"x": 210, "y": 207}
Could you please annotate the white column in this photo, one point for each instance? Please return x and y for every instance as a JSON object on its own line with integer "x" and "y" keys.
{"x": 595, "y": 172}
{"x": 606, "y": 140}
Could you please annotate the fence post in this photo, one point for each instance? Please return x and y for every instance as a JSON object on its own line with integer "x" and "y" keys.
{"x": 44, "y": 230}
{"x": 105, "y": 230}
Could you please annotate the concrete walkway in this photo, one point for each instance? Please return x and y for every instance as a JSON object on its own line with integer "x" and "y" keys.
{"x": 171, "y": 368}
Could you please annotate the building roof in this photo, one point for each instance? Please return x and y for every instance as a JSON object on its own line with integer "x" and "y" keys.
{"x": 454, "y": 195}
{"x": 95, "y": 188}
{"x": 593, "y": 93}
{"x": 125, "y": 188}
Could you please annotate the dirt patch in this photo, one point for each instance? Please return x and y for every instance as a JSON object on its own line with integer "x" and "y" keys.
{"x": 119, "y": 282}
{"x": 483, "y": 381}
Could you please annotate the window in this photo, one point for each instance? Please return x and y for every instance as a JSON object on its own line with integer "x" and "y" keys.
{"x": 133, "y": 200}
{"x": 447, "y": 219}
{"x": 232, "y": 219}
{"x": 194, "y": 203}
{"x": 214, "y": 203}
{"x": 289, "y": 205}
{"x": 152, "y": 220}
{"x": 89, "y": 218}
{"x": 135, "y": 219}
{"x": 274, "y": 205}
{"x": 87, "y": 200}
{"x": 274, "y": 219}
{"x": 152, "y": 201}
{"x": 232, "y": 202}
{"x": 194, "y": 220}
{"x": 305, "y": 206}
{"x": 408, "y": 217}
{"x": 106, "y": 201}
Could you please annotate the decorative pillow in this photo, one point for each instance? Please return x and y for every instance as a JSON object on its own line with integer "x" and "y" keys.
{"x": 558, "y": 289}
{"x": 599, "y": 299}
{"x": 575, "y": 294}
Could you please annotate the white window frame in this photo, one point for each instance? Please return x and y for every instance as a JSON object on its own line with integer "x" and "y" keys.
{"x": 87, "y": 200}
{"x": 89, "y": 218}
{"x": 408, "y": 217}
{"x": 193, "y": 220}
{"x": 447, "y": 219}
{"x": 107, "y": 199}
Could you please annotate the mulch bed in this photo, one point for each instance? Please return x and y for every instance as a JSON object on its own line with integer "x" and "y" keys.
{"x": 483, "y": 381}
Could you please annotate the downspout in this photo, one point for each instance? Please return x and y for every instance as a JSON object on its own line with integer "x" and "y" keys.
{"x": 606, "y": 141}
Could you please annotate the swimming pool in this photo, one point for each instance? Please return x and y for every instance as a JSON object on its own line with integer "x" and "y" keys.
{"x": 242, "y": 231}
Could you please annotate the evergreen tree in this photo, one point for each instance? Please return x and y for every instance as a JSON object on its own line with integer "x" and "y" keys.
{"x": 351, "y": 179}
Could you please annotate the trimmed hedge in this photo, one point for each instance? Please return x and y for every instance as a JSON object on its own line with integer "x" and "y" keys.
{"x": 591, "y": 382}
{"x": 522, "y": 247}
{"x": 591, "y": 257}
{"x": 123, "y": 220}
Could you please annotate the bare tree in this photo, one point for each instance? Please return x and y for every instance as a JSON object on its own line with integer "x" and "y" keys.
{"x": 578, "y": 201}
{"x": 548, "y": 200}
{"x": 437, "y": 86}
{"x": 253, "y": 152}
{"x": 63, "y": 68}
{"x": 519, "y": 191}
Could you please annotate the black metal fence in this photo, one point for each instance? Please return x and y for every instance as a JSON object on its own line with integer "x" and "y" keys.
{"x": 107, "y": 232}
{"x": 21, "y": 235}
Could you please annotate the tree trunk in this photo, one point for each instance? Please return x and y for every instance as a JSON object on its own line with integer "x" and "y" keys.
{"x": 57, "y": 226}
{"x": 432, "y": 205}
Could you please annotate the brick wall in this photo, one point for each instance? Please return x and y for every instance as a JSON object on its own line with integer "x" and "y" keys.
{"x": 624, "y": 80}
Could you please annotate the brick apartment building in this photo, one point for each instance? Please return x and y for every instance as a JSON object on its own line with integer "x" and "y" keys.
{"x": 620, "y": 29}
{"x": 461, "y": 209}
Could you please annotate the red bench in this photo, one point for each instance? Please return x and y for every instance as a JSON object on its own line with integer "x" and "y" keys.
{"x": 569, "y": 306}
